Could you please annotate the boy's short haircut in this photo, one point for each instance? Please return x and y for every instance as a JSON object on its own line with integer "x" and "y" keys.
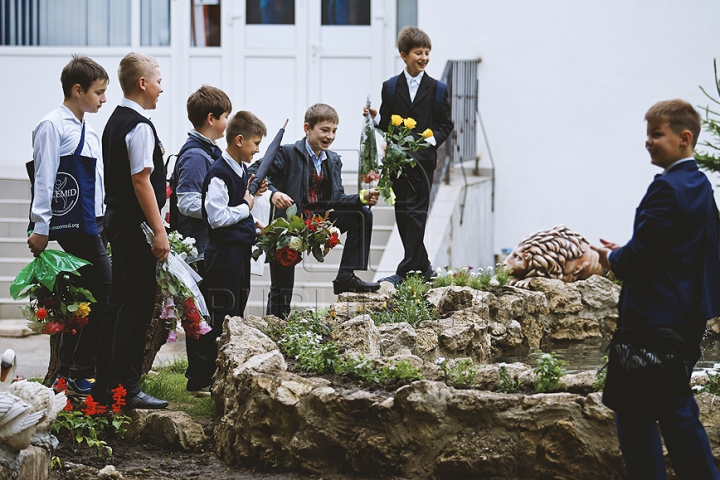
{"x": 412, "y": 37}
{"x": 206, "y": 100}
{"x": 132, "y": 67}
{"x": 83, "y": 71}
{"x": 246, "y": 124}
{"x": 680, "y": 116}
{"x": 321, "y": 112}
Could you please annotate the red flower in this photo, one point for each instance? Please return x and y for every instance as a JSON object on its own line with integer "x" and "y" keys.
{"x": 41, "y": 314}
{"x": 119, "y": 398}
{"x": 51, "y": 303}
{"x": 68, "y": 406}
{"x": 91, "y": 406}
{"x": 333, "y": 240}
{"x": 61, "y": 385}
{"x": 311, "y": 223}
{"x": 288, "y": 257}
{"x": 51, "y": 328}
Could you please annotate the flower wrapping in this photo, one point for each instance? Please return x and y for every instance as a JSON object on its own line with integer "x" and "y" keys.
{"x": 56, "y": 303}
{"x": 286, "y": 239}
{"x": 369, "y": 167}
{"x": 182, "y": 299}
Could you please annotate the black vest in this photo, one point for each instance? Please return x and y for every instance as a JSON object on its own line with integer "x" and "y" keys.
{"x": 244, "y": 230}
{"x": 119, "y": 192}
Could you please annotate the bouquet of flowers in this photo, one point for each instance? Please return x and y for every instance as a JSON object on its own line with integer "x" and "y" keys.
{"x": 183, "y": 246}
{"x": 56, "y": 304}
{"x": 400, "y": 140}
{"x": 285, "y": 239}
{"x": 178, "y": 285}
{"x": 368, "y": 175}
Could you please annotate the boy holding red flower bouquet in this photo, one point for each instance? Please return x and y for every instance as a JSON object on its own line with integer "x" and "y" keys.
{"x": 308, "y": 175}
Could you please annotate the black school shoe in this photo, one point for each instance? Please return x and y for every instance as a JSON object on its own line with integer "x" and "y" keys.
{"x": 354, "y": 284}
{"x": 145, "y": 401}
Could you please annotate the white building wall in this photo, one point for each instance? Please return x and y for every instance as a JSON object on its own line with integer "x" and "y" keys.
{"x": 564, "y": 86}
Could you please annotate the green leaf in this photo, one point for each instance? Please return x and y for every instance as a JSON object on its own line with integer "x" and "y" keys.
{"x": 291, "y": 210}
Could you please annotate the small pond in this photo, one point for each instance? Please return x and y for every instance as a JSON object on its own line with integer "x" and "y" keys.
{"x": 589, "y": 355}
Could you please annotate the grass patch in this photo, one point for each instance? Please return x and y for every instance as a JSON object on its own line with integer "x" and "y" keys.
{"x": 170, "y": 384}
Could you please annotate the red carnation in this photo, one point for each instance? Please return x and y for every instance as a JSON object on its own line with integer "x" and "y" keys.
{"x": 333, "y": 240}
{"x": 41, "y": 314}
{"x": 311, "y": 223}
{"x": 288, "y": 257}
{"x": 51, "y": 328}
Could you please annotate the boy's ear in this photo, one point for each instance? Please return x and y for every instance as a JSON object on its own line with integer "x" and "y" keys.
{"x": 77, "y": 89}
{"x": 141, "y": 83}
{"x": 403, "y": 55}
{"x": 686, "y": 138}
{"x": 210, "y": 119}
{"x": 239, "y": 140}
{"x": 306, "y": 128}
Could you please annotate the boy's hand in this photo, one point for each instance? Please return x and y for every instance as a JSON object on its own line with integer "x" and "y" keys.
{"x": 160, "y": 246}
{"x": 263, "y": 188}
{"x": 609, "y": 245}
{"x": 250, "y": 199}
{"x": 371, "y": 197}
{"x": 373, "y": 112}
{"x": 260, "y": 225}
{"x": 37, "y": 243}
{"x": 280, "y": 200}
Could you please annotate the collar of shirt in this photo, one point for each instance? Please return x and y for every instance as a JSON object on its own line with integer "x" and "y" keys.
{"x": 317, "y": 161}
{"x": 682, "y": 160}
{"x": 236, "y": 167}
{"x": 201, "y": 137}
{"x": 410, "y": 78}
{"x": 126, "y": 102}
{"x": 67, "y": 114}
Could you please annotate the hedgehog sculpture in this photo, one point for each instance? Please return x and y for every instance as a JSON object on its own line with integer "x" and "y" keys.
{"x": 557, "y": 253}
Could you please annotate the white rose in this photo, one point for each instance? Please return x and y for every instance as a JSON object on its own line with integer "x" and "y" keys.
{"x": 296, "y": 244}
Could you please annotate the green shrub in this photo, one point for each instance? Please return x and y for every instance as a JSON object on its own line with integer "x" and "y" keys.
{"x": 600, "y": 375}
{"x": 712, "y": 385}
{"x": 548, "y": 372}
{"x": 461, "y": 374}
{"x": 361, "y": 368}
{"x": 507, "y": 383}
{"x": 407, "y": 304}
{"x": 302, "y": 339}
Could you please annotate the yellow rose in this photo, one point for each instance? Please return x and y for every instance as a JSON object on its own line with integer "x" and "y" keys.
{"x": 410, "y": 123}
{"x": 396, "y": 120}
{"x": 427, "y": 133}
{"x": 83, "y": 310}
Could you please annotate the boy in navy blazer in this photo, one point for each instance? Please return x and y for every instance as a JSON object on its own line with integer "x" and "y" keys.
{"x": 670, "y": 270}
{"x": 413, "y": 94}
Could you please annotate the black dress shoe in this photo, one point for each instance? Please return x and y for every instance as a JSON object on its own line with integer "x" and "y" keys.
{"x": 143, "y": 400}
{"x": 354, "y": 284}
{"x": 429, "y": 274}
{"x": 394, "y": 279}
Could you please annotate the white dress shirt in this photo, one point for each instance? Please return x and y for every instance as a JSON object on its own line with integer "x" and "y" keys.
{"x": 220, "y": 214}
{"x": 413, "y": 83}
{"x": 317, "y": 161}
{"x": 682, "y": 160}
{"x": 140, "y": 141}
{"x": 58, "y": 135}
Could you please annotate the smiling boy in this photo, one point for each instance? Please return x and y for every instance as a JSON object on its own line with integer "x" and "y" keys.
{"x": 415, "y": 94}
{"x": 58, "y": 135}
{"x": 670, "y": 270}
{"x": 135, "y": 193}
{"x": 308, "y": 174}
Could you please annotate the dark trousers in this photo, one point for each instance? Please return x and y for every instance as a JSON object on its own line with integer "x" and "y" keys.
{"x": 130, "y": 308}
{"x": 78, "y": 353}
{"x": 356, "y": 254}
{"x": 226, "y": 288}
{"x": 412, "y": 190}
{"x": 685, "y": 438}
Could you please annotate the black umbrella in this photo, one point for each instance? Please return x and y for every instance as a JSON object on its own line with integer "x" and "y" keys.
{"x": 267, "y": 160}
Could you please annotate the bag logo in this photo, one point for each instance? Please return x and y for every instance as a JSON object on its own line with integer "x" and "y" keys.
{"x": 66, "y": 194}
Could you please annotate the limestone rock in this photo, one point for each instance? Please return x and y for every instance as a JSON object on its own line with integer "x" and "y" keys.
{"x": 345, "y": 311}
{"x": 449, "y": 299}
{"x": 359, "y": 335}
{"x": 171, "y": 429}
{"x": 713, "y": 325}
{"x": 396, "y": 336}
{"x": 562, "y": 297}
{"x": 374, "y": 297}
{"x": 427, "y": 343}
{"x": 29, "y": 463}
{"x": 598, "y": 292}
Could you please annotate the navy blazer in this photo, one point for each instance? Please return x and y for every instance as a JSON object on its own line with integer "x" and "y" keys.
{"x": 289, "y": 173}
{"x": 670, "y": 268}
{"x": 423, "y": 111}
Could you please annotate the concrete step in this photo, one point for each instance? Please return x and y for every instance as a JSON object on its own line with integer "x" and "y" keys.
{"x": 9, "y": 308}
{"x": 14, "y": 208}
{"x": 13, "y": 227}
{"x": 11, "y": 266}
{"x": 16, "y": 247}
{"x": 15, "y": 188}
{"x": 335, "y": 255}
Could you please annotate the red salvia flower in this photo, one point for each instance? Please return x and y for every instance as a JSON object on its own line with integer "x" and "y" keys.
{"x": 119, "y": 394}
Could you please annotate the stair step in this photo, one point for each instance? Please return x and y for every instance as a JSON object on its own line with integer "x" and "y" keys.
{"x": 17, "y": 247}
{"x": 13, "y": 227}
{"x": 10, "y": 308}
{"x": 14, "y": 208}
{"x": 11, "y": 266}
{"x": 15, "y": 188}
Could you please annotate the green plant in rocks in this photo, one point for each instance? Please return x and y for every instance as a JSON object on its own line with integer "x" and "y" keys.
{"x": 549, "y": 370}
{"x": 507, "y": 383}
{"x": 407, "y": 304}
{"x": 460, "y": 373}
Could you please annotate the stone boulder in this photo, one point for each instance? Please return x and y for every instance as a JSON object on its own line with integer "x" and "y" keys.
{"x": 359, "y": 335}
{"x": 166, "y": 428}
{"x": 395, "y": 337}
{"x": 449, "y": 299}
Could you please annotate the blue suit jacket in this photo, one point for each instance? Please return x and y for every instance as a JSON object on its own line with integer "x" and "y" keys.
{"x": 671, "y": 267}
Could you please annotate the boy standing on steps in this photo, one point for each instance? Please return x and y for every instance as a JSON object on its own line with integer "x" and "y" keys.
{"x": 208, "y": 110}
{"x": 414, "y": 94}
{"x": 59, "y": 134}
{"x": 135, "y": 193}
{"x": 308, "y": 174}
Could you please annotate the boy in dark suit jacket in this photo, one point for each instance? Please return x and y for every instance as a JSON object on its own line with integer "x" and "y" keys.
{"x": 414, "y": 97}
{"x": 671, "y": 278}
